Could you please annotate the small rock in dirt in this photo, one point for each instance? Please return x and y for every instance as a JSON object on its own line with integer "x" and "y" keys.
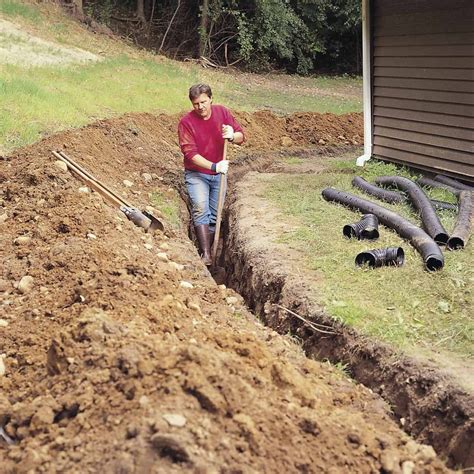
{"x": 408, "y": 467}
{"x": 3, "y": 217}
{"x": 133, "y": 431}
{"x": 148, "y": 246}
{"x": 84, "y": 190}
{"x": 3, "y": 323}
{"x": 144, "y": 401}
{"x": 232, "y": 300}
{"x": 91, "y": 236}
{"x": 2, "y": 366}
{"x": 162, "y": 256}
{"x": 22, "y": 240}
{"x": 176, "y": 266}
{"x": 390, "y": 461}
{"x": 127, "y": 183}
{"x": 26, "y": 284}
{"x": 310, "y": 426}
{"x": 170, "y": 446}
{"x": 60, "y": 165}
{"x": 174, "y": 419}
{"x": 354, "y": 439}
{"x": 321, "y": 141}
{"x": 286, "y": 141}
{"x": 167, "y": 300}
{"x": 221, "y": 287}
{"x": 4, "y": 285}
{"x": 164, "y": 246}
{"x": 186, "y": 284}
{"x": 195, "y": 307}
{"x": 147, "y": 178}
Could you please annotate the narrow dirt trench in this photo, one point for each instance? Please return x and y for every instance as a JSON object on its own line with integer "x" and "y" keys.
{"x": 425, "y": 400}
{"x": 119, "y": 353}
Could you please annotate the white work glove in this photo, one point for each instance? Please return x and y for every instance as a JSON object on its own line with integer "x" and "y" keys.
{"x": 222, "y": 166}
{"x": 227, "y": 132}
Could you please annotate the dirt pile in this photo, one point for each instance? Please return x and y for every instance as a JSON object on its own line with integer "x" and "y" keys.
{"x": 119, "y": 352}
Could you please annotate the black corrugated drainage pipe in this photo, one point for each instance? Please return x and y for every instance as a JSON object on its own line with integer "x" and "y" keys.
{"x": 429, "y": 250}
{"x": 388, "y": 196}
{"x": 443, "y": 205}
{"x": 379, "y": 257}
{"x": 392, "y": 196}
{"x": 453, "y": 182}
{"x": 462, "y": 228}
{"x": 431, "y": 183}
{"x": 421, "y": 201}
{"x": 365, "y": 229}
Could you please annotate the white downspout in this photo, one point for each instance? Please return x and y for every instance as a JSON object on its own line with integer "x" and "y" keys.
{"x": 366, "y": 84}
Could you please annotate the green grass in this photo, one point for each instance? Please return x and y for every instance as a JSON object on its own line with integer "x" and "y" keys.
{"x": 38, "y": 101}
{"x": 168, "y": 206}
{"x": 406, "y": 306}
{"x": 285, "y": 100}
{"x": 12, "y": 8}
{"x": 53, "y": 99}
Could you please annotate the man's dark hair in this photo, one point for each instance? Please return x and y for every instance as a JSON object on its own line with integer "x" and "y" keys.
{"x": 198, "y": 89}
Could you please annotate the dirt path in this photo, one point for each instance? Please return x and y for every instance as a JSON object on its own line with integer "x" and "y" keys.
{"x": 119, "y": 352}
{"x": 21, "y": 48}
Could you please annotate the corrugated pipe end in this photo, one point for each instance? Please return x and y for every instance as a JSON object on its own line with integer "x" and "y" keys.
{"x": 434, "y": 263}
{"x": 365, "y": 229}
{"x": 441, "y": 238}
{"x": 379, "y": 257}
{"x": 455, "y": 243}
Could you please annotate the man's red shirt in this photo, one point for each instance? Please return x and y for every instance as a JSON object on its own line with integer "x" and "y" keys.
{"x": 204, "y": 137}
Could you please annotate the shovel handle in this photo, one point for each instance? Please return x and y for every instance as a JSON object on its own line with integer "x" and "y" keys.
{"x": 220, "y": 206}
{"x": 72, "y": 164}
{"x": 92, "y": 183}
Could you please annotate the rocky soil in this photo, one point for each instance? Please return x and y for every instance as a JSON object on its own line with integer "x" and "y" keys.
{"x": 120, "y": 354}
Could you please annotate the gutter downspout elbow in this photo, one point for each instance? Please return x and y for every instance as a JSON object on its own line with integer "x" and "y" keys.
{"x": 366, "y": 84}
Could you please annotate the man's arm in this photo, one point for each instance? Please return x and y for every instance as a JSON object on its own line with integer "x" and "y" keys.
{"x": 200, "y": 161}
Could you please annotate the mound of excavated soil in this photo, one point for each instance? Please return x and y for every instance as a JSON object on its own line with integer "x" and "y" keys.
{"x": 120, "y": 353}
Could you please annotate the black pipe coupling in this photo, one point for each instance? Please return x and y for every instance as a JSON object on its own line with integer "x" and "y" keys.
{"x": 394, "y": 256}
{"x": 365, "y": 229}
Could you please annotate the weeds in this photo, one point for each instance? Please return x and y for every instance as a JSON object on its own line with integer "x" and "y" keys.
{"x": 168, "y": 206}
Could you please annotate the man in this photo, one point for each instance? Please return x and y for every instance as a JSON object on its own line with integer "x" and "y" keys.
{"x": 202, "y": 133}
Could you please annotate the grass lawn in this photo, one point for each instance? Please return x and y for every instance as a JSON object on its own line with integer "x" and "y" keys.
{"x": 405, "y": 306}
{"x": 40, "y": 100}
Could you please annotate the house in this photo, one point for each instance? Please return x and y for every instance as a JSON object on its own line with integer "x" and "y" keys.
{"x": 419, "y": 84}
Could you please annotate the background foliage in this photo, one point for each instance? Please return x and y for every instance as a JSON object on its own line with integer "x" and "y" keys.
{"x": 297, "y": 36}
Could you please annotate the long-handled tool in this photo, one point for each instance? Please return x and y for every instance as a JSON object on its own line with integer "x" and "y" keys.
{"x": 140, "y": 218}
{"x": 220, "y": 206}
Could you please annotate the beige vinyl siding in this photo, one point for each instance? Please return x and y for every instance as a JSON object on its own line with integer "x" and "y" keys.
{"x": 423, "y": 84}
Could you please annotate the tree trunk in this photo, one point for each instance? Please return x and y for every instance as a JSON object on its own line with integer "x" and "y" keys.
{"x": 141, "y": 10}
{"x": 203, "y": 27}
{"x": 78, "y": 7}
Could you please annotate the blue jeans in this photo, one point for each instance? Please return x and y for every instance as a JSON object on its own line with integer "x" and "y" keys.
{"x": 203, "y": 190}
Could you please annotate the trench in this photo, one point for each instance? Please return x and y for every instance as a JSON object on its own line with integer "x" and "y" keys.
{"x": 426, "y": 402}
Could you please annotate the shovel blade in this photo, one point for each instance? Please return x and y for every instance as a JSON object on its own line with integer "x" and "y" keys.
{"x": 155, "y": 223}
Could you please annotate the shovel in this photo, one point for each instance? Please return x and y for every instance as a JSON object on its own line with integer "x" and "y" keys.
{"x": 142, "y": 219}
{"x": 218, "y": 273}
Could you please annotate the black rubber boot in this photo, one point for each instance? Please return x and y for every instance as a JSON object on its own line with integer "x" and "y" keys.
{"x": 203, "y": 236}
